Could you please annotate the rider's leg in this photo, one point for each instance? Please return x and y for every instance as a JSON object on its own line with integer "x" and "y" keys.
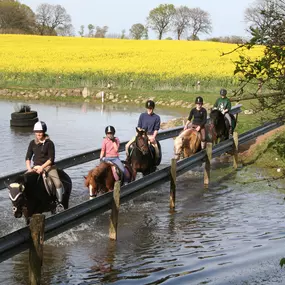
{"x": 203, "y": 138}
{"x": 57, "y": 183}
{"x": 128, "y": 145}
{"x": 156, "y": 150}
{"x": 117, "y": 161}
{"x": 228, "y": 117}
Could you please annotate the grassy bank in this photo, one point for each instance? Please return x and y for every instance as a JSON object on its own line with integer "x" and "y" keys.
{"x": 165, "y": 99}
{"x": 268, "y": 151}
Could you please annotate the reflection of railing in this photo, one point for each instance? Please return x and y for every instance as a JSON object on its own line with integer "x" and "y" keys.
{"x": 17, "y": 241}
{"x": 95, "y": 154}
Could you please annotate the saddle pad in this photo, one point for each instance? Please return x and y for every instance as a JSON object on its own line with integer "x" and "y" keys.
{"x": 115, "y": 174}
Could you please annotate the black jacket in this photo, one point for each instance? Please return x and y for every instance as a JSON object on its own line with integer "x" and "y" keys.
{"x": 41, "y": 152}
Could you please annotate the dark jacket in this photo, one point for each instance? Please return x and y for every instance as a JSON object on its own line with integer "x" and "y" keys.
{"x": 41, "y": 152}
{"x": 149, "y": 123}
{"x": 200, "y": 117}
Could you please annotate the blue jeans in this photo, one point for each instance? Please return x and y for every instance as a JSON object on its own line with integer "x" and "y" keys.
{"x": 116, "y": 161}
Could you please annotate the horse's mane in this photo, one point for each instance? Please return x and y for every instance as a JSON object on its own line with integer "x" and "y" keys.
{"x": 22, "y": 178}
{"x": 96, "y": 172}
{"x": 187, "y": 133}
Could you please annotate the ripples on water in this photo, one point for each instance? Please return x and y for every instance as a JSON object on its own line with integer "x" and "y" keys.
{"x": 229, "y": 234}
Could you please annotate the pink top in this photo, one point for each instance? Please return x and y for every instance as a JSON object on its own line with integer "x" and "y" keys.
{"x": 108, "y": 147}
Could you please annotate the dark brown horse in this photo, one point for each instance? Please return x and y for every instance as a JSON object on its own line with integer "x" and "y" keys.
{"x": 142, "y": 157}
{"x": 101, "y": 179}
{"x": 29, "y": 195}
{"x": 189, "y": 141}
{"x": 221, "y": 124}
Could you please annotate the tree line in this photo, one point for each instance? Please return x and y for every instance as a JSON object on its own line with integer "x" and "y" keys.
{"x": 165, "y": 18}
{"x": 17, "y": 18}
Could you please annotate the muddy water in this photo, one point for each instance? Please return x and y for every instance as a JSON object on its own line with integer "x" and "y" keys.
{"x": 232, "y": 233}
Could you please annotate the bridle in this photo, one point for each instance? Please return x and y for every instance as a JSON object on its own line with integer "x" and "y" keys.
{"x": 145, "y": 145}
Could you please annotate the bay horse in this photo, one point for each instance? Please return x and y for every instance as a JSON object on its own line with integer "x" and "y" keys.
{"x": 142, "y": 157}
{"x": 221, "y": 124}
{"x": 29, "y": 195}
{"x": 189, "y": 141}
{"x": 101, "y": 178}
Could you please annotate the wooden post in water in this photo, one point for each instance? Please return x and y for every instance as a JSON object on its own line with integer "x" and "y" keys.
{"x": 115, "y": 211}
{"x": 235, "y": 149}
{"x": 207, "y": 169}
{"x": 173, "y": 183}
{"x": 37, "y": 228}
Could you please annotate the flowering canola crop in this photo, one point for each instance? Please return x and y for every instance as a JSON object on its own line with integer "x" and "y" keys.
{"x": 149, "y": 59}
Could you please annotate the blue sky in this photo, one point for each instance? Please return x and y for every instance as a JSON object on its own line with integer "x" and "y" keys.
{"x": 226, "y": 15}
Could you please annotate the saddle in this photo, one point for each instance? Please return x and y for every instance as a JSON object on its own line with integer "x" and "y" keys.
{"x": 118, "y": 174}
{"x": 49, "y": 185}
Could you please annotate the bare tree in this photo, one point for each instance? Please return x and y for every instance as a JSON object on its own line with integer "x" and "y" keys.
{"x": 65, "y": 31}
{"x": 262, "y": 14}
{"x": 181, "y": 20}
{"x": 137, "y": 31}
{"x": 101, "y": 32}
{"x": 50, "y": 17}
{"x": 200, "y": 22}
{"x": 160, "y": 18}
{"x": 81, "y": 31}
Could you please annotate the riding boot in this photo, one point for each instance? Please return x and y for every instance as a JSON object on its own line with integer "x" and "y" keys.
{"x": 203, "y": 145}
{"x": 59, "y": 194}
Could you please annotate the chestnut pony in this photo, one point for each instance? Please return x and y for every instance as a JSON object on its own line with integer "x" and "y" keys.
{"x": 189, "y": 141}
{"x": 101, "y": 178}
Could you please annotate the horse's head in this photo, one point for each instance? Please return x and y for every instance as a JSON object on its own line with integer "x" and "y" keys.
{"x": 178, "y": 145}
{"x": 187, "y": 143}
{"x": 141, "y": 141}
{"x": 16, "y": 195}
{"x": 215, "y": 116}
{"x": 94, "y": 181}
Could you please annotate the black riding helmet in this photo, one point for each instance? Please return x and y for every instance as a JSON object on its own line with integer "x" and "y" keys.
{"x": 150, "y": 104}
{"x": 110, "y": 129}
{"x": 223, "y": 92}
{"x": 199, "y": 100}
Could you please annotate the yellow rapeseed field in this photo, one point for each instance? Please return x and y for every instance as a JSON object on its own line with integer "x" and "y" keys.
{"x": 163, "y": 60}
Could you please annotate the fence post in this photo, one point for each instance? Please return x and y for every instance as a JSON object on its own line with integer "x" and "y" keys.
{"x": 173, "y": 183}
{"x": 207, "y": 169}
{"x": 37, "y": 228}
{"x": 115, "y": 211}
{"x": 235, "y": 149}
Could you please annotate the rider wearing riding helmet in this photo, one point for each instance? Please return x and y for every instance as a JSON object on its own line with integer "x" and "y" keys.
{"x": 150, "y": 122}
{"x": 42, "y": 151}
{"x": 199, "y": 116}
{"x": 223, "y": 104}
{"x": 110, "y": 148}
